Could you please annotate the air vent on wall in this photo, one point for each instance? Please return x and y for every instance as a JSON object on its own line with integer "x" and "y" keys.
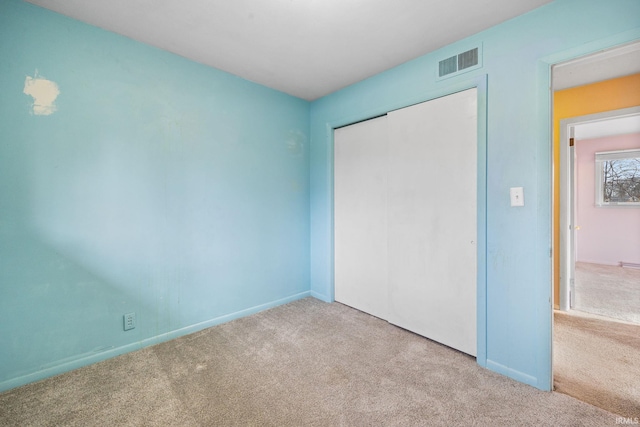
{"x": 468, "y": 59}
{"x": 448, "y": 66}
{"x": 459, "y": 62}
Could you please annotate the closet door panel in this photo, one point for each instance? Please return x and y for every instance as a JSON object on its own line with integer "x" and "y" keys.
{"x": 360, "y": 216}
{"x": 432, "y": 219}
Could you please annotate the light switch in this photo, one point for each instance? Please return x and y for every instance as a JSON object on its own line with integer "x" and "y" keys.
{"x": 517, "y": 196}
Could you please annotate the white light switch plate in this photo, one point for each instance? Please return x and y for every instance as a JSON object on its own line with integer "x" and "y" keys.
{"x": 517, "y": 196}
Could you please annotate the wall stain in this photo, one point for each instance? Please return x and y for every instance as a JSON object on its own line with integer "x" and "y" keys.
{"x": 295, "y": 142}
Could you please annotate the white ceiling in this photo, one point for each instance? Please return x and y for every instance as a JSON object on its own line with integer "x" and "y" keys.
{"x": 610, "y": 127}
{"x": 607, "y": 64}
{"x": 307, "y": 48}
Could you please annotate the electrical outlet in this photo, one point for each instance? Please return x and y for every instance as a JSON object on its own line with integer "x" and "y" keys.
{"x": 129, "y": 321}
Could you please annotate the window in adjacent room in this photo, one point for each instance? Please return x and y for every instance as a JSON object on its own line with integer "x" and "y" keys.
{"x": 618, "y": 178}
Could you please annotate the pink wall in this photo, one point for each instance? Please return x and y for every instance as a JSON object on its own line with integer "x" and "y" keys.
{"x": 607, "y": 235}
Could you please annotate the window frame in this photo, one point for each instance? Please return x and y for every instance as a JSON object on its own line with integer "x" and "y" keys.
{"x": 602, "y": 157}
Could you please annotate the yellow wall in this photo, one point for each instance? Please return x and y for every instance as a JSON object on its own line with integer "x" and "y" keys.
{"x": 594, "y": 98}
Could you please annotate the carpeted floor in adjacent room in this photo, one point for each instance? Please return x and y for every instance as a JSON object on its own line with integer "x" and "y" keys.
{"x": 597, "y": 344}
{"x": 597, "y": 360}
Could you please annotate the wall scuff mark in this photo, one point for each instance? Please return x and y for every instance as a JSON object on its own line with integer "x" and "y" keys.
{"x": 44, "y": 93}
{"x": 295, "y": 142}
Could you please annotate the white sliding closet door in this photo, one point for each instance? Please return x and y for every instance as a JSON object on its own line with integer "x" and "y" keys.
{"x": 360, "y": 216}
{"x": 432, "y": 219}
{"x": 405, "y": 189}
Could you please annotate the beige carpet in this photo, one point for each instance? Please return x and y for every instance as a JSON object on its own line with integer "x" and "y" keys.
{"x": 608, "y": 290}
{"x": 597, "y": 360}
{"x": 307, "y": 363}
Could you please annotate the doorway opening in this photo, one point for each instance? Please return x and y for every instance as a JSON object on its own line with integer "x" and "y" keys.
{"x": 596, "y": 344}
{"x": 600, "y": 214}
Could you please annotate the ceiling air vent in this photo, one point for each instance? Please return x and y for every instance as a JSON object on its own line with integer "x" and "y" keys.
{"x": 457, "y": 63}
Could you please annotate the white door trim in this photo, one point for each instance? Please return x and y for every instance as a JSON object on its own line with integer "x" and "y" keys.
{"x": 567, "y": 240}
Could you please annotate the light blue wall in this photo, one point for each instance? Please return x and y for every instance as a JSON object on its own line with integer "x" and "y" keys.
{"x": 517, "y": 59}
{"x": 191, "y": 197}
{"x": 159, "y": 186}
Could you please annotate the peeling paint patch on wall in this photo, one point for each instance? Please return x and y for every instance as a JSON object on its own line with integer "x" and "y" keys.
{"x": 44, "y": 93}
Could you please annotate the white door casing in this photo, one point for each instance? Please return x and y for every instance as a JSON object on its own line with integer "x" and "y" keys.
{"x": 567, "y": 248}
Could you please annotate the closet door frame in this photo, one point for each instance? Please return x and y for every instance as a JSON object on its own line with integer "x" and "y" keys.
{"x": 480, "y": 83}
